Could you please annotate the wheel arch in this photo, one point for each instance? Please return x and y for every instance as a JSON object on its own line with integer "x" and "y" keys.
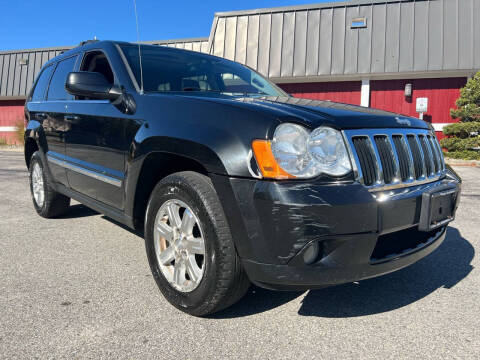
{"x": 34, "y": 140}
{"x": 151, "y": 172}
{"x": 30, "y": 147}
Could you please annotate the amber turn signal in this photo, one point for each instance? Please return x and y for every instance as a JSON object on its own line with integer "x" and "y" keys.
{"x": 262, "y": 149}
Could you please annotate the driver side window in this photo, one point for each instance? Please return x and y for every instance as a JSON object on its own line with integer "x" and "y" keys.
{"x": 96, "y": 61}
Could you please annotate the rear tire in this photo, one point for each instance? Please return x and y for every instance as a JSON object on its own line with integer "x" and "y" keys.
{"x": 223, "y": 280}
{"x": 47, "y": 202}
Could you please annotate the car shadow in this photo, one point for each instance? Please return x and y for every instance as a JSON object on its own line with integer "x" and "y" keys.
{"x": 78, "y": 211}
{"x": 136, "y": 232}
{"x": 444, "y": 268}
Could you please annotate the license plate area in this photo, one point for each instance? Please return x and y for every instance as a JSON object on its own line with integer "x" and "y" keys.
{"x": 438, "y": 208}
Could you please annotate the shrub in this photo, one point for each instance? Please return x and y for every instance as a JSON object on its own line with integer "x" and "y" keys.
{"x": 463, "y": 137}
{"x": 3, "y": 141}
{"x": 464, "y": 155}
{"x": 468, "y": 103}
{"x": 20, "y": 132}
{"x": 458, "y": 144}
{"x": 462, "y": 130}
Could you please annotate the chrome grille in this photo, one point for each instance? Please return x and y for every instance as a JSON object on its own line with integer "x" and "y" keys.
{"x": 391, "y": 158}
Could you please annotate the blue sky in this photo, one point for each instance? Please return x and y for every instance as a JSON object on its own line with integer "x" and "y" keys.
{"x": 31, "y": 24}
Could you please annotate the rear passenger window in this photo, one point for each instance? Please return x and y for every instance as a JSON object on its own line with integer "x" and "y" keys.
{"x": 42, "y": 83}
{"x": 57, "y": 91}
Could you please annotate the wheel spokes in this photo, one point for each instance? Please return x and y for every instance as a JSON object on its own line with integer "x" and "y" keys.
{"x": 188, "y": 222}
{"x": 179, "y": 272}
{"x": 195, "y": 245}
{"x": 165, "y": 231}
{"x": 167, "y": 256}
{"x": 193, "y": 271}
{"x": 173, "y": 215}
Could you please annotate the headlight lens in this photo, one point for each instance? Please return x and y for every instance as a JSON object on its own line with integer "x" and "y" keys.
{"x": 306, "y": 155}
{"x": 327, "y": 148}
{"x": 290, "y": 148}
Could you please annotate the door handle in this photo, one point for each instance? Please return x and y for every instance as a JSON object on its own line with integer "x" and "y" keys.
{"x": 41, "y": 116}
{"x": 71, "y": 118}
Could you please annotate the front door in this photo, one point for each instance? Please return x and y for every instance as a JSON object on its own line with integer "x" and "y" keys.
{"x": 96, "y": 145}
{"x": 96, "y": 149}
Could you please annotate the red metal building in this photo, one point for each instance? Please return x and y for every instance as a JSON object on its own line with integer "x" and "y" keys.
{"x": 390, "y": 95}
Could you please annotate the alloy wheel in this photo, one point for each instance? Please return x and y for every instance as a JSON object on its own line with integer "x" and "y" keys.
{"x": 37, "y": 185}
{"x": 179, "y": 245}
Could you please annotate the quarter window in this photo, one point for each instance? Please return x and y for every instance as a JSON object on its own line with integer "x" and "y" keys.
{"x": 57, "y": 91}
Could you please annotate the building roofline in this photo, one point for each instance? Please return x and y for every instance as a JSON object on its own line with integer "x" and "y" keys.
{"x": 326, "y": 5}
{"x": 174, "y": 41}
{"x": 56, "y": 48}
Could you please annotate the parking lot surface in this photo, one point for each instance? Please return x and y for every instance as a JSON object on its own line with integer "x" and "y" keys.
{"x": 80, "y": 287}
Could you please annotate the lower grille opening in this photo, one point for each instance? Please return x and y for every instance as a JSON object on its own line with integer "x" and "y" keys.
{"x": 401, "y": 242}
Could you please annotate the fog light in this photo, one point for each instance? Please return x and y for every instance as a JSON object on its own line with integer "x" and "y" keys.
{"x": 310, "y": 255}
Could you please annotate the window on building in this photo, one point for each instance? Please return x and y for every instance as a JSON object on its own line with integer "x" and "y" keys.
{"x": 56, "y": 90}
{"x": 42, "y": 83}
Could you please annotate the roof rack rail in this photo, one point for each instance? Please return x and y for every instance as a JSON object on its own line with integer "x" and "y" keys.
{"x": 85, "y": 42}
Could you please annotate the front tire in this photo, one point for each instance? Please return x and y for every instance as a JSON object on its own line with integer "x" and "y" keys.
{"x": 189, "y": 246}
{"x": 47, "y": 202}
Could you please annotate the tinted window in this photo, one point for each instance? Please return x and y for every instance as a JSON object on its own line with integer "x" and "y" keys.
{"x": 42, "y": 83}
{"x": 96, "y": 61}
{"x": 57, "y": 91}
{"x": 175, "y": 70}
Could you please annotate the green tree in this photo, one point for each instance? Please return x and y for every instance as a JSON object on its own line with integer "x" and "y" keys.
{"x": 468, "y": 104}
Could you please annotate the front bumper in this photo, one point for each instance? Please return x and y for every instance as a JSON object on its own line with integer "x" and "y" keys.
{"x": 358, "y": 234}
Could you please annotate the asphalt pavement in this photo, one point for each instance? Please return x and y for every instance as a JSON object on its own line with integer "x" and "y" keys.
{"x": 80, "y": 287}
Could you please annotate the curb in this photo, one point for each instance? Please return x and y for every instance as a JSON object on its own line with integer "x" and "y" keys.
{"x": 11, "y": 148}
{"x": 459, "y": 162}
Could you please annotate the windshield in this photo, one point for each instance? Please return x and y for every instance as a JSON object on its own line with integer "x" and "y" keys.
{"x": 181, "y": 71}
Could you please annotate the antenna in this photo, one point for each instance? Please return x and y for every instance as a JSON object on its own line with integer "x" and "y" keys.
{"x": 139, "y": 51}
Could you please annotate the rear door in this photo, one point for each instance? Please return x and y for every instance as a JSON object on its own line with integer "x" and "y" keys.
{"x": 54, "y": 125}
{"x": 41, "y": 111}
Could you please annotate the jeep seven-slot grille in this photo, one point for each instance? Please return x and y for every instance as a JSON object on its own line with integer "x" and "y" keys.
{"x": 395, "y": 157}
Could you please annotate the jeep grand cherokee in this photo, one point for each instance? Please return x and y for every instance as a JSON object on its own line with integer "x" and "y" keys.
{"x": 232, "y": 180}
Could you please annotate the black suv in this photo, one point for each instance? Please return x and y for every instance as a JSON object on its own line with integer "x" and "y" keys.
{"x": 230, "y": 179}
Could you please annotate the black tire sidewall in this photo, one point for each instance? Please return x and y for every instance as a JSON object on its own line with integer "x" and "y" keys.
{"x": 186, "y": 301}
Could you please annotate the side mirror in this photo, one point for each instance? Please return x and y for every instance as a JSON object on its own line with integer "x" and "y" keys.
{"x": 91, "y": 84}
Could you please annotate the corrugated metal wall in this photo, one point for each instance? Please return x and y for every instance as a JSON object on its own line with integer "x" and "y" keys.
{"x": 11, "y": 115}
{"x": 19, "y": 69}
{"x": 317, "y": 40}
{"x": 200, "y": 44}
{"x": 441, "y": 94}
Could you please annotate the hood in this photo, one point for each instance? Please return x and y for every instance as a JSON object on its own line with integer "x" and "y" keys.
{"x": 314, "y": 113}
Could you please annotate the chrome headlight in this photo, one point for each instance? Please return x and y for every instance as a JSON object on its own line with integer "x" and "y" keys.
{"x": 305, "y": 155}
